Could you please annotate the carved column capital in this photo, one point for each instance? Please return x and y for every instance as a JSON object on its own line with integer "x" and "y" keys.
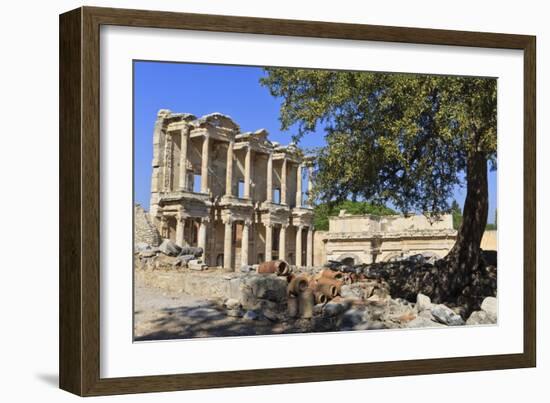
{"x": 182, "y": 216}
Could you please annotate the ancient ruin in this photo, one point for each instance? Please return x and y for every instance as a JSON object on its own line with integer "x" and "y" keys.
{"x": 354, "y": 239}
{"x": 239, "y": 196}
{"x": 228, "y": 247}
{"x": 244, "y": 200}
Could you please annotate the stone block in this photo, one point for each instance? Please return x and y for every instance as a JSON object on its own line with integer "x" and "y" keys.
{"x": 490, "y": 306}
{"x": 271, "y": 288}
{"x": 197, "y": 265}
{"x": 444, "y": 314}
{"x": 169, "y": 248}
{"x": 480, "y": 318}
{"x": 423, "y": 302}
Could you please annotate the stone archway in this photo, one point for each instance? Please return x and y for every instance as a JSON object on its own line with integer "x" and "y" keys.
{"x": 350, "y": 259}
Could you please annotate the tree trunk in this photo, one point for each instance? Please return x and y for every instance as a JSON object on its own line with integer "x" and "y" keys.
{"x": 463, "y": 259}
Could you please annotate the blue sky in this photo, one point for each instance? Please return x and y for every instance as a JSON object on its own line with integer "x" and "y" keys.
{"x": 201, "y": 89}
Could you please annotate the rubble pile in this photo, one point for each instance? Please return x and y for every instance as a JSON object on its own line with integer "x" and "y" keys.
{"x": 154, "y": 257}
{"x": 400, "y": 294}
{"x": 417, "y": 274}
{"x": 343, "y": 297}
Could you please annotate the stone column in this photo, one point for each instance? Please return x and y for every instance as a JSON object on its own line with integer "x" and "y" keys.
{"x": 282, "y": 242}
{"x": 229, "y": 170}
{"x": 269, "y": 185}
{"x": 202, "y": 237}
{"x": 299, "y": 246}
{"x": 299, "y": 185}
{"x": 180, "y": 230}
{"x": 310, "y": 186}
{"x": 309, "y": 247}
{"x": 247, "y": 172}
{"x": 167, "y": 185}
{"x": 268, "y": 242}
{"x": 205, "y": 163}
{"x": 244, "y": 243}
{"x": 183, "y": 158}
{"x": 158, "y": 134}
{"x": 164, "y": 227}
{"x": 227, "y": 243}
{"x": 156, "y": 174}
{"x": 283, "y": 182}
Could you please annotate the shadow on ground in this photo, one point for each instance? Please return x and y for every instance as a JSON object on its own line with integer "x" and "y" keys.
{"x": 205, "y": 320}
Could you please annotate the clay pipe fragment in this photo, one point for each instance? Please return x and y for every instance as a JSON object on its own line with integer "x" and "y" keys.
{"x": 329, "y": 290}
{"x": 306, "y": 300}
{"x": 331, "y": 274}
{"x": 279, "y": 267}
{"x": 298, "y": 285}
{"x": 337, "y": 283}
{"x": 320, "y": 298}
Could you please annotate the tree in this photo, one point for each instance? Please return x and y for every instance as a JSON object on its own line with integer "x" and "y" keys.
{"x": 399, "y": 138}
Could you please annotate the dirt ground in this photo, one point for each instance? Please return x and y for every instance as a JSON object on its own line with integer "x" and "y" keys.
{"x": 164, "y": 315}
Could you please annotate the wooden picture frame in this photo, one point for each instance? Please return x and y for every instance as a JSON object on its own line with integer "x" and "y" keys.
{"x": 80, "y": 198}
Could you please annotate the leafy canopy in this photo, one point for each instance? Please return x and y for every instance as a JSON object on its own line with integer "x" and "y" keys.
{"x": 397, "y": 138}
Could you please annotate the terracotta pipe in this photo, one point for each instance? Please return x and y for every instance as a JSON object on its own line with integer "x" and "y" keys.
{"x": 329, "y": 290}
{"x": 292, "y": 306}
{"x": 306, "y": 301}
{"x": 336, "y": 283}
{"x": 279, "y": 267}
{"x": 298, "y": 285}
{"x": 320, "y": 298}
{"x": 331, "y": 274}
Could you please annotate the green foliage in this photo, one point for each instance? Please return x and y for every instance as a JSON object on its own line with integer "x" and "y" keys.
{"x": 457, "y": 214}
{"x": 323, "y": 211}
{"x": 398, "y": 138}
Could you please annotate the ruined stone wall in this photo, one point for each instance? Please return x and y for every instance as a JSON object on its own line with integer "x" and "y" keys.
{"x": 393, "y": 223}
{"x": 359, "y": 250}
{"x": 144, "y": 230}
{"x": 398, "y": 223}
{"x": 408, "y": 247}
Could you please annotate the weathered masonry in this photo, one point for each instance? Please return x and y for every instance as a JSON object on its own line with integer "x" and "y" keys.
{"x": 356, "y": 239}
{"x": 239, "y": 196}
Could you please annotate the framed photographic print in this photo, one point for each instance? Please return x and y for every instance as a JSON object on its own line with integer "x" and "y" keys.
{"x": 250, "y": 201}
